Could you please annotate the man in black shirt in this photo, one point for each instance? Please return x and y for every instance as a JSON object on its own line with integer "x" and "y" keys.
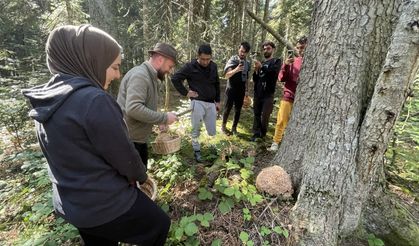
{"x": 204, "y": 92}
{"x": 264, "y": 79}
{"x": 236, "y": 72}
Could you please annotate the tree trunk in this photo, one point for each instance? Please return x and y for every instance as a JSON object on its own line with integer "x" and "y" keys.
{"x": 70, "y": 17}
{"x": 103, "y": 18}
{"x": 207, "y": 21}
{"x": 253, "y": 32}
{"x": 334, "y": 150}
{"x": 243, "y": 20}
{"x": 391, "y": 219}
{"x": 146, "y": 36}
{"x": 265, "y": 19}
{"x": 190, "y": 28}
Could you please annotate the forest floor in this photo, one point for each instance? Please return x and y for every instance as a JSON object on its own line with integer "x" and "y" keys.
{"x": 210, "y": 203}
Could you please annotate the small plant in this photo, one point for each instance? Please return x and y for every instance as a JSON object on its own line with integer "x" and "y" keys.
{"x": 226, "y": 205}
{"x": 264, "y": 231}
{"x": 204, "y": 194}
{"x": 246, "y": 214}
{"x": 281, "y": 231}
{"x": 185, "y": 230}
{"x": 244, "y": 237}
{"x": 216, "y": 242}
{"x": 169, "y": 169}
{"x": 374, "y": 241}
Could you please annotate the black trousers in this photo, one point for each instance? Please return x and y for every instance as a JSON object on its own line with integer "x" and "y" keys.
{"x": 142, "y": 149}
{"x": 144, "y": 223}
{"x": 234, "y": 96}
{"x": 262, "y": 109}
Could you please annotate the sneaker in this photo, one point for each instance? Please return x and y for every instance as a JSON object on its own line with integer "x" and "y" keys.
{"x": 197, "y": 155}
{"x": 274, "y": 147}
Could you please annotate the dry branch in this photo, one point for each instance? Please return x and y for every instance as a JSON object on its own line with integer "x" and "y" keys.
{"x": 270, "y": 30}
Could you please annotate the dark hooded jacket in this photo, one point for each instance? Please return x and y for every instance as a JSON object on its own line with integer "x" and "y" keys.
{"x": 90, "y": 158}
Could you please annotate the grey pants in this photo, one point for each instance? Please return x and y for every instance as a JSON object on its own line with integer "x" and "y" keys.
{"x": 206, "y": 112}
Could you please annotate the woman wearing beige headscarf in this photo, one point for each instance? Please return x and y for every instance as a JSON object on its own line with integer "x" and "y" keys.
{"x": 91, "y": 161}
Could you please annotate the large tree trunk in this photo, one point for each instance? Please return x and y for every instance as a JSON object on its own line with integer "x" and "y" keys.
{"x": 253, "y": 31}
{"x": 333, "y": 146}
{"x": 265, "y": 19}
{"x": 189, "y": 33}
{"x": 103, "y": 18}
{"x": 207, "y": 21}
{"x": 146, "y": 36}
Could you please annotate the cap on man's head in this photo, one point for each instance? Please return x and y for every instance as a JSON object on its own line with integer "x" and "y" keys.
{"x": 165, "y": 50}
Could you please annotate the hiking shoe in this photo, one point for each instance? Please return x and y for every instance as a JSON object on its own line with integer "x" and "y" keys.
{"x": 197, "y": 155}
{"x": 274, "y": 147}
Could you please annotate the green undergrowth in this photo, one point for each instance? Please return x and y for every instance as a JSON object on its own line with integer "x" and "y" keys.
{"x": 403, "y": 153}
{"x": 210, "y": 203}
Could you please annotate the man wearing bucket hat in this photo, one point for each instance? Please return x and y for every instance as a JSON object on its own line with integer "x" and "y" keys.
{"x": 138, "y": 96}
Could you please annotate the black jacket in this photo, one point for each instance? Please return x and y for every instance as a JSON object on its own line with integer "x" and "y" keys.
{"x": 265, "y": 79}
{"x": 90, "y": 158}
{"x": 203, "y": 80}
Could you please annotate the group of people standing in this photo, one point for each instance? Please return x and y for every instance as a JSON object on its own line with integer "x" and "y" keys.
{"x": 265, "y": 77}
{"x": 96, "y": 146}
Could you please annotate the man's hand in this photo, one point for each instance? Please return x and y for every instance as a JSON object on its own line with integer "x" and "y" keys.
{"x": 218, "y": 106}
{"x": 258, "y": 65}
{"x": 171, "y": 117}
{"x": 289, "y": 60}
{"x": 192, "y": 94}
{"x": 163, "y": 128}
{"x": 239, "y": 68}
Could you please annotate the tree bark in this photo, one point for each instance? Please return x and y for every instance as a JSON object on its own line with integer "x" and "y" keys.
{"x": 190, "y": 27}
{"x": 391, "y": 219}
{"x": 70, "y": 16}
{"x": 207, "y": 21}
{"x": 243, "y": 20}
{"x": 265, "y": 19}
{"x": 332, "y": 147}
{"x": 146, "y": 36}
{"x": 103, "y": 18}
{"x": 253, "y": 32}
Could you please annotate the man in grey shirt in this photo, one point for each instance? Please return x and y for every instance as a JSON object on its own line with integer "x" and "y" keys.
{"x": 138, "y": 96}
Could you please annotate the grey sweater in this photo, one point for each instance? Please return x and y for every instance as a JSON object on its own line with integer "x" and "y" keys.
{"x": 90, "y": 158}
{"x": 138, "y": 99}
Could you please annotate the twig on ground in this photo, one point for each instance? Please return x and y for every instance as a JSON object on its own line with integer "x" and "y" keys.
{"x": 267, "y": 206}
{"x": 257, "y": 230}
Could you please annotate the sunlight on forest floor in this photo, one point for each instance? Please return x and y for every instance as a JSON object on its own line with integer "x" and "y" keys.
{"x": 196, "y": 196}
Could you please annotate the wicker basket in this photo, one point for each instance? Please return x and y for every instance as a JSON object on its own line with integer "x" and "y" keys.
{"x": 166, "y": 147}
{"x": 149, "y": 188}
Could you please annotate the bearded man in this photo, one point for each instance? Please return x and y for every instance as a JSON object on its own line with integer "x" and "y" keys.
{"x": 138, "y": 96}
{"x": 264, "y": 79}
